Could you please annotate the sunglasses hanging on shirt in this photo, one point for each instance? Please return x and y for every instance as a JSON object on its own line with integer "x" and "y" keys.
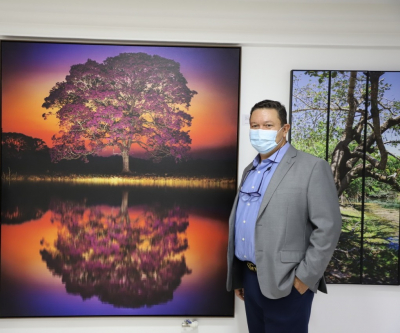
{"x": 254, "y": 196}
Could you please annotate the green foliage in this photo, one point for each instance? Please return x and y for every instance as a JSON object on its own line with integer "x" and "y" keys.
{"x": 343, "y": 134}
{"x": 345, "y": 263}
{"x": 312, "y": 142}
{"x": 309, "y": 120}
{"x": 380, "y": 249}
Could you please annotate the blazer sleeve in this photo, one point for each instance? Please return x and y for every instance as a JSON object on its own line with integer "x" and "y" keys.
{"x": 325, "y": 217}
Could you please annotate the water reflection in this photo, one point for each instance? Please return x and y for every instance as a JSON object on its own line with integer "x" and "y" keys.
{"x": 125, "y": 257}
{"x": 21, "y": 206}
{"x": 110, "y": 250}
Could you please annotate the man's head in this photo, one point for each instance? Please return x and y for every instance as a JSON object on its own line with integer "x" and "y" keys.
{"x": 268, "y": 104}
{"x": 268, "y": 116}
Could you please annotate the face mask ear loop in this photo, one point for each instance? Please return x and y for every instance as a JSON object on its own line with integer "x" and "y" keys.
{"x": 281, "y": 139}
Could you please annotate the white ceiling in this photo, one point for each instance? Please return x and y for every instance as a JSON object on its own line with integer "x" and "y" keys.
{"x": 360, "y": 23}
{"x": 378, "y": 2}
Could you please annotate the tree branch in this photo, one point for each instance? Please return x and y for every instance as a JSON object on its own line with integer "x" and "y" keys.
{"x": 390, "y": 180}
{"x": 310, "y": 109}
{"x": 374, "y": 79}
{"x": 374, "y": 162}
{"x": 348, "y": 132}
{"x": 385, "y": 126}
{"x": 394, "y": 156}
{"x": 352, "y": 174}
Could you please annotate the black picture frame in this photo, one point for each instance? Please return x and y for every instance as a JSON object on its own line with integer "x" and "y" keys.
{"x": 335, "y": 114}
{"x": 81, "y": 238}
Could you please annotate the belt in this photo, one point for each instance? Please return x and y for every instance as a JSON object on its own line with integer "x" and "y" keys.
{"x": 251, "y": 266}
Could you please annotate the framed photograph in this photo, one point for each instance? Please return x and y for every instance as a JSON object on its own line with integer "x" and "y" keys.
{"x": 352, "y": 119}
{"x": 119, "y": 170}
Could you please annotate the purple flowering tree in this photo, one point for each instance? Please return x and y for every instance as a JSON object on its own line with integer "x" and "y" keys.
{"x": 128, "y": 261}
{"x": 130, "y": 99}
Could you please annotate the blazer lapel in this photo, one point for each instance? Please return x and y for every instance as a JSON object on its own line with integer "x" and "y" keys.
{"x": 285, "y": 164}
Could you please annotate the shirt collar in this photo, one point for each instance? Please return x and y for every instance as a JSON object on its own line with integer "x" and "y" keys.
{"x": 275, "y": 157}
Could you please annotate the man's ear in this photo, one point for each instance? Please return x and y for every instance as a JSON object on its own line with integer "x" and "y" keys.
{"x": 286, "y": 127}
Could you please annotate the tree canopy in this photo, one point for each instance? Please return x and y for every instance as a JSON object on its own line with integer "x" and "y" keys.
{"x": 363, "y": 125}
{"x": 132, "y": 98}
{"x": 16, "y": 145}
{"x": 24, "y": 153}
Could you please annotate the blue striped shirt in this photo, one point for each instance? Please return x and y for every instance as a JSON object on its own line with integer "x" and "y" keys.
{"x": 248, "y": 206}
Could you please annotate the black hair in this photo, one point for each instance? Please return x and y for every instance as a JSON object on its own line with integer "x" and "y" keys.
{"x": 268, "y": 104}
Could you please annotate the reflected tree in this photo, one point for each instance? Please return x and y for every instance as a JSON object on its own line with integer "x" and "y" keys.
{"x": 125, "y": 260}
{"x": 17, "y": 214}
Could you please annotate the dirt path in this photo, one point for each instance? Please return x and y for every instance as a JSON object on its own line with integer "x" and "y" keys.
{"x": 389, "y": 214}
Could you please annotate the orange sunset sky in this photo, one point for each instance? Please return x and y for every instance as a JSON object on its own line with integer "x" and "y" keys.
{"x": 30, "y": 70}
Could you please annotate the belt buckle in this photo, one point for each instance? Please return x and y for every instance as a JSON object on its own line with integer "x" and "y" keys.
{"x": 251, "y": 266}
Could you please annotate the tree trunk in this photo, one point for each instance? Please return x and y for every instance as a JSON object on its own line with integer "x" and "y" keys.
{"x": 125, "y": 161}
{"x": 374, "y": 79}
{"x": 124, "y": 214}
{"x": 342, "y": 154}
{"x": 124, "y": 202}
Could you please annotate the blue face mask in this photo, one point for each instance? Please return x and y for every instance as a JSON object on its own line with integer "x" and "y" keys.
{"x": 264, "y": 140}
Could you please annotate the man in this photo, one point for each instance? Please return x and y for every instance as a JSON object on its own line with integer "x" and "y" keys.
{"x": 283, "y": 229}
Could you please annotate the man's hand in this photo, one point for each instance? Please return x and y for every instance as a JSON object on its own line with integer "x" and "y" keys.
{"x": 240, "y": 293}
{"x": 299, "y": 285}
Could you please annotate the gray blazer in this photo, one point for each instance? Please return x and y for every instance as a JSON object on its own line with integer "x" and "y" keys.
{"x": 297, "y": 227}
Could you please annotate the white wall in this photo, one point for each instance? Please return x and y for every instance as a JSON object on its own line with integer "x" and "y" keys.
{"x": 266, "y": 74}
{"x": 276, "y": 38}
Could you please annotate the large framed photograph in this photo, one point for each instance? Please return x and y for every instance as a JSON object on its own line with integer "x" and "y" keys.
{"x": 119, "y": 169}
{"x": 352, "y": 119}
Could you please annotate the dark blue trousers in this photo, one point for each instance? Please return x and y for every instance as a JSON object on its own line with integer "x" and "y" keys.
{"x": 289, "y": 314}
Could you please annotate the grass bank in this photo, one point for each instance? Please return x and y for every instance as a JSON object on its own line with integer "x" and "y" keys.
{"x": 128, "y": 180}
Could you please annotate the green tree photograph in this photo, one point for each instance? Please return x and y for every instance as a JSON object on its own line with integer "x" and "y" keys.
{"x": 352, "y": 119}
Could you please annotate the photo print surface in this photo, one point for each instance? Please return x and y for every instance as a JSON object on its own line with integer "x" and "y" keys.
{"x": 352, "y": 120}
{"x": 119, "y": 168}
